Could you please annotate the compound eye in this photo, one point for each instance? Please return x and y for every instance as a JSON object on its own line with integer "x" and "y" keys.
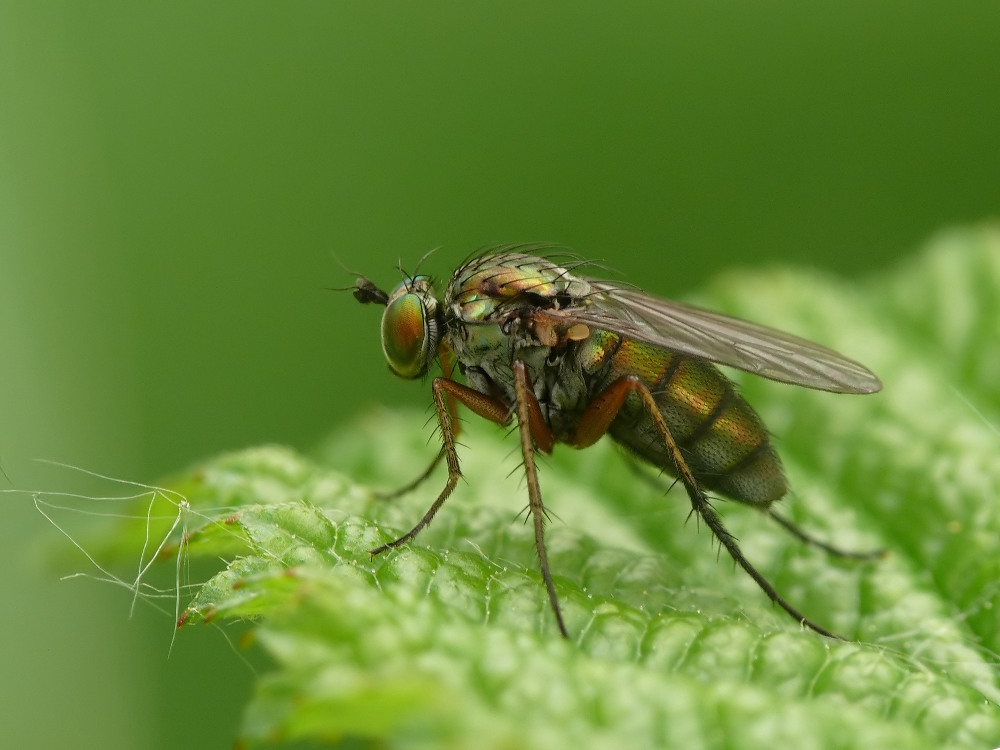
{"x": 404, "y": 336}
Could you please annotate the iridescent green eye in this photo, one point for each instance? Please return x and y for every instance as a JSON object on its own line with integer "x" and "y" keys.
{"x": 405, "y": 336}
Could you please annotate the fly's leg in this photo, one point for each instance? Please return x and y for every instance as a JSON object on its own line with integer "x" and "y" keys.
{"x": 598, "y": 418}
{"x": 483, "y": 405}
{"x": 448, "y": 367}
{"x": 785, "y": 523}
{"x": 400, "y": 491}
{"x": 806, "y": 537}
{"x": 533, "y": 430}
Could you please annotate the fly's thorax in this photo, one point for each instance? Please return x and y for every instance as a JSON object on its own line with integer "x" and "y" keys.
{"x": 494, "y": 285}
{"x": 723, "y": 439}
{"x": 489, "y": 302}
{"x": 485, "y": 351}
{"x": 473, "y": 342}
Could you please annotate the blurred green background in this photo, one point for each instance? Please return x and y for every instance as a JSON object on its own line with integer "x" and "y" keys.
{"x": 174, "y": 179}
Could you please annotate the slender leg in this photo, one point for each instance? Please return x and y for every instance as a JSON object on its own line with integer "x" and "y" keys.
{"x": 481, "y": 404}
{"x": 806, "y": 537}
{"x": 525, "y": 404}
{"x": 447, "y": 358}
{"x": 792, "y": 528}
{"x": 409, "y": 487}
{"x": 598, "y": 418}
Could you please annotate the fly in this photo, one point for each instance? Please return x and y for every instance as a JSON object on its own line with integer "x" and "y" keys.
{"x": 573, "y": 358}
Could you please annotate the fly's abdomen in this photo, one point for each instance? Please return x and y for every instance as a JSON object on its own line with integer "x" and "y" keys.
{"x": 721, "y": 437}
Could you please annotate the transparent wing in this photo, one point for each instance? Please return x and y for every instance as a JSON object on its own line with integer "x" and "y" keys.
{"x": 719, "y": 338}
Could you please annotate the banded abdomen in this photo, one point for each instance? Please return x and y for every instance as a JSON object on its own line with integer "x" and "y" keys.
{"x": 721, "y": 437}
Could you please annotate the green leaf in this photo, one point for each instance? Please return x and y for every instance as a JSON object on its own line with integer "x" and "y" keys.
{"x": 449, "y": 641}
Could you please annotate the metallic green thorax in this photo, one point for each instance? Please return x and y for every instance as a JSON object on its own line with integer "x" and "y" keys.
{"x": 487, "y": 324}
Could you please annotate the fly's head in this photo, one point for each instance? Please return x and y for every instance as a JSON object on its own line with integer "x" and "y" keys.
{"x": 411, "y": 324}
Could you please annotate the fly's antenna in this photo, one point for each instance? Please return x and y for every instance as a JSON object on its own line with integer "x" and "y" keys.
{"x": 341, "y": 264}
{"x": 364, "y": 289}
{"x": 366, "y": 292}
